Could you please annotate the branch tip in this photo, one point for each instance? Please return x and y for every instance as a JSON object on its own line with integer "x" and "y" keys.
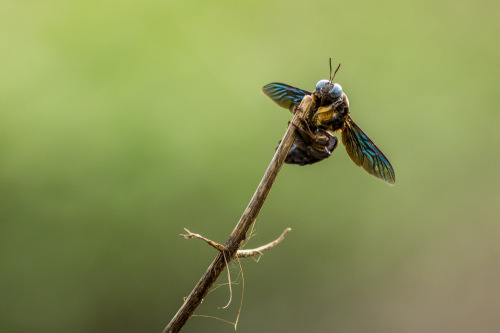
{"x": 217, "y": 246}
{"x": 259, "y": 250}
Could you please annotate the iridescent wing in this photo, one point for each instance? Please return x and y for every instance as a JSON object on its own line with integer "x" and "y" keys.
{"x": 363, "y": 152}
{"x": 284, "y": 95}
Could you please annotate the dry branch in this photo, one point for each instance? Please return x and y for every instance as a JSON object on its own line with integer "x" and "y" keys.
{"x": 247, "y": 219}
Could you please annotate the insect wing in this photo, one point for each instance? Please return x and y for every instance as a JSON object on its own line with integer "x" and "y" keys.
{"x": 284, "y": 95}
{"x": 363, "y": 152}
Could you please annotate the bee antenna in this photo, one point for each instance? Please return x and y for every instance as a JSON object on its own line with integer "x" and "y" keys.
{"x": 331, "y": 70}
{"x": 335, "y": 70}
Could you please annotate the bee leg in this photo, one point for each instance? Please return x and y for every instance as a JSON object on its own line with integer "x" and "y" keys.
{"x": 318, "y": 154}
{"x": 322, "y": 150}
{"x": 337, "y": 102}
{"x": 310, "y": 147}
{"x": 309, "y": 132}
{"x": 323, "y": 146}
{"x": 305, "y": 132}
{"x": 328, "y": 141}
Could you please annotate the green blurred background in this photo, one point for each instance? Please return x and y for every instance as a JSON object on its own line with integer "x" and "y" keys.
{"x": 122, "y": 122}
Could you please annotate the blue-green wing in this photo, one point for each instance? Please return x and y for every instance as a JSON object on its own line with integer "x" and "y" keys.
{"x": 284, "y": 95}
{"x": 365, "y": 153}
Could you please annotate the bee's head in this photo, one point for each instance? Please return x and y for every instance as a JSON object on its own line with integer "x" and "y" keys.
{"x": 326, "y": 88}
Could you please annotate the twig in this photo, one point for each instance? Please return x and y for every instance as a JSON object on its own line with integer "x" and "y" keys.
{"x": 216, "y": 245}
{"x": 247, "y": 219}
{"x": 259, "y": 250}
{"x": 239, "y": 253}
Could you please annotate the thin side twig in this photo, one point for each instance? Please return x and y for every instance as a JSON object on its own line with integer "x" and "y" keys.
{"x": 247, "y": 219}
{"x": 239, "y": 253}
{"x": 259, "y": 250}
{"x": 210, "y": 242}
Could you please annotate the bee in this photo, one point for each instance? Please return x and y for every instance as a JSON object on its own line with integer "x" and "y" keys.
{"x": 315, "y": 141}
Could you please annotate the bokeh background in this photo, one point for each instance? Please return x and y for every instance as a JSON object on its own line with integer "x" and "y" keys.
{"x": 122, "y": 122}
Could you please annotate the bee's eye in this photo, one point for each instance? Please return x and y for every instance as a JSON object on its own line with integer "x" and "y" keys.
{"x": 321, "y": 85}
{"x": 336, "y": 90}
